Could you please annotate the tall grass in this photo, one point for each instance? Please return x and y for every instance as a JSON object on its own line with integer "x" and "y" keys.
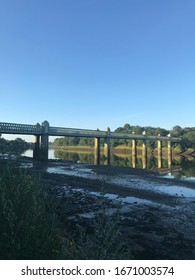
{"x": 28, "y": 226}
{"x": 102, "y": 240}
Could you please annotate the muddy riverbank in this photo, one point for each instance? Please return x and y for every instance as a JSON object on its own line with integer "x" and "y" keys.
{"x": 156, "y": 214}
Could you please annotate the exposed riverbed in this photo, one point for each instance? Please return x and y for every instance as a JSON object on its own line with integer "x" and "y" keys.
{"x": 156, "y": 213}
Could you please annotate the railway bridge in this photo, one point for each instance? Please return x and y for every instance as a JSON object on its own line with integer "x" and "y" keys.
{"x": 43, "y": 131}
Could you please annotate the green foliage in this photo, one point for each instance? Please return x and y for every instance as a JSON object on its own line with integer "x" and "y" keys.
{"x": 28, "y": 225}
{"x": 189, "y": 138}
{"x": 117, "y": 161}
{"x": 13, "y": 147}
{"x": 73, "y": 141}
{"x": 188, "y": 168}
{"x": 152, "y": 163}
{"x": 138, "y": 130}
{"x": 102, "y": 240}
{"x": 177, "y": 131}
{"x": 75, "y": 157}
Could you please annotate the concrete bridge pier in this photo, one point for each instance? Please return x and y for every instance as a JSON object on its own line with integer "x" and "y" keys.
{"x": 159, "y": 153}
{"x": 36, "y": 150}
{"x": 134, "y": 162}
{"x": 144, "y": 152}
{"x": 40, "y": 151}
{"x": 107, "y": 147}
{"x": 45, "y": 141}
{"x": 97, "y": 150}
{"x": 134, "y": 147}
{"x": 169, "y": 152}
{"x": 134, "y": 152}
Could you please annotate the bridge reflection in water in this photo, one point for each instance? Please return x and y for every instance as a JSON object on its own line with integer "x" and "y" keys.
{"x": 181, "y": 165}
{"x": 151, "y": 162}
{"x": 42, "y": 133}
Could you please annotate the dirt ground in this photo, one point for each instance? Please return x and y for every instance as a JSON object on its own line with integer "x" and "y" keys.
{"x": 157, "y": 214}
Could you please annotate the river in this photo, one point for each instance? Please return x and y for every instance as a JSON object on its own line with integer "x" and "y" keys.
{"x": 181, "y": 166}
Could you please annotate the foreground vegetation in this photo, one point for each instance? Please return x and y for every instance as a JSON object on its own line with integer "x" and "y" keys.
{"x": 32, "y": 227}
{"x": 28, "y": 222}
{"x": 13, "y": 147}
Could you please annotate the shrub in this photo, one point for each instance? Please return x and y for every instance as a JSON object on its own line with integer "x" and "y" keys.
{"x": 28, "y": 223}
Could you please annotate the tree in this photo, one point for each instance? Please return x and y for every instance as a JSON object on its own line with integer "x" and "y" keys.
{"x": 73, "y": 141}
{"x": 177, "y": 130}
{"x": 190, "y": 137}
{"x": 127, "y": 127}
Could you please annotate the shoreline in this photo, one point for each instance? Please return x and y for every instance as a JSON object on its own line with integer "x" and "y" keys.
{"x": 153, "y": 224}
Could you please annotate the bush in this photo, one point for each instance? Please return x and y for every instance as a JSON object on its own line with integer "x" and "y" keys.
{"x": 28, "y": 223}
{"x": 102, "y": 241}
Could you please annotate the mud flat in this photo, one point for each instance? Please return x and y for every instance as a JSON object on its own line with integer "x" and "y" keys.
{"x": 156, "y": 213}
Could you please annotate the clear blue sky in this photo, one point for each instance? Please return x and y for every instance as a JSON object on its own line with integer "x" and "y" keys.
{"x": 98, "y": 63}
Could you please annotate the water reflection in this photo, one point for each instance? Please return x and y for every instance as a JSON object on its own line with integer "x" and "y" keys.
{"x": 74, "y": 156}
{"x": 181, "y": 166}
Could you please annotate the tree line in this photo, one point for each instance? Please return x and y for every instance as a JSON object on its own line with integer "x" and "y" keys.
{"x": 187, "y": 134}
{"x": 17, "y": 146}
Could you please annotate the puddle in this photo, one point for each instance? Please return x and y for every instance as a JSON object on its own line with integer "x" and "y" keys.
{"x": 116, "y": 199}
{"x": 138, "y": 183}
{"x": 128, "y": 181}
{"x": 178, "y": 191}
{"x": 190, "y": 179}
{"x": 71, "y": 171}
{"x": 182, "y": 178}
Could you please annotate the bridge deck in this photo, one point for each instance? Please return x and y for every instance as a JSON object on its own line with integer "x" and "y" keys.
{"x": 26, "y": 129}
{"x": 16, "y": 128}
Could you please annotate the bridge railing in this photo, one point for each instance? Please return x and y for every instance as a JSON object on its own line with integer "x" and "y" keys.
{"x": 117, "y": 135}
{"x": 37, "y": 129}
{"x": 20, "y": 128}
{"x": 61, "y": 131}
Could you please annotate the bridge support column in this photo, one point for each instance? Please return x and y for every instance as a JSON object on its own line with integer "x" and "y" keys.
{"x": 41, "y": 149}
{"x": 107, "y": 148}
{"x": 97, "y": 150}
{"x": 159, "y": 153}
{"x": 134, "y": 162}
{"x": 36, "y": 150}
{"x": 169, "y": 152}
{"x": 45, "y": 141}
{"x": 144, "y": 152}
{"x": 134, "y": 152}
{"x": 37, "y": 141}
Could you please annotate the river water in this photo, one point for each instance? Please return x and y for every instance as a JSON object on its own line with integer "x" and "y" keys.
{"x": 182, "y": 167}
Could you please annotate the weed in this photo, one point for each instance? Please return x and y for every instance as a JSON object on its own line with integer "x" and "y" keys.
{"x": 28, "y": 222}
